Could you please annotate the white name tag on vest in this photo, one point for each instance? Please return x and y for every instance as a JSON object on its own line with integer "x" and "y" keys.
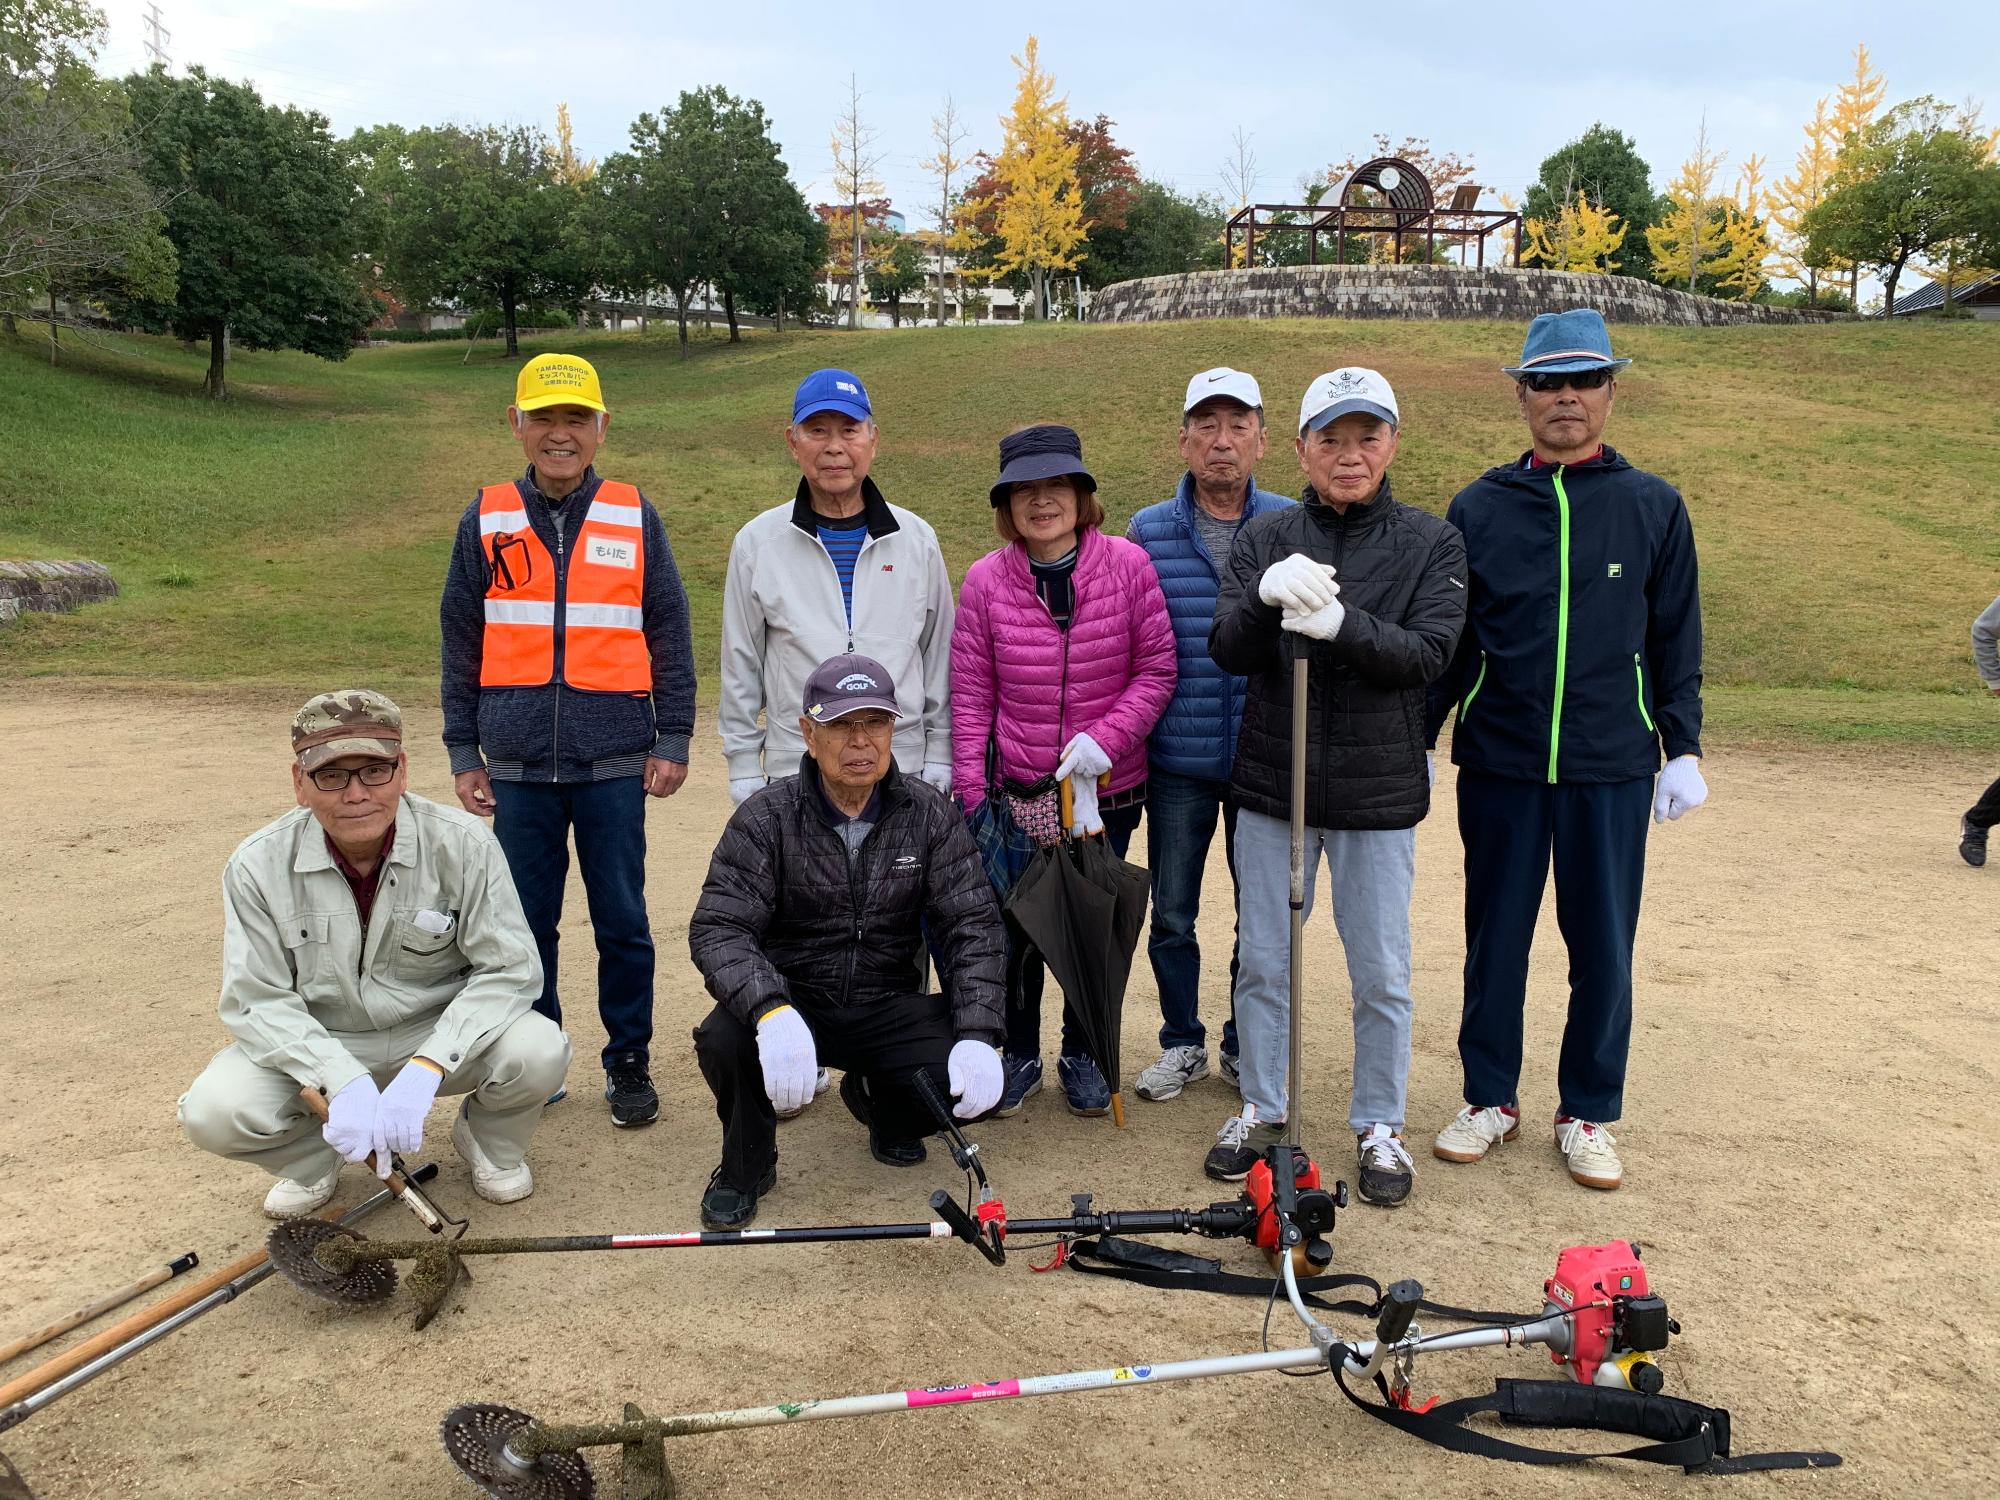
{"x": 613, "y": 554}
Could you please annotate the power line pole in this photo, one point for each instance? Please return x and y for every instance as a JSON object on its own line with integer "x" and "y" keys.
{"x": 157, "y": 36}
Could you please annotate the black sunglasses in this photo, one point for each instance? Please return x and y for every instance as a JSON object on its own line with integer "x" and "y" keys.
{"x": 1555, "y": 380}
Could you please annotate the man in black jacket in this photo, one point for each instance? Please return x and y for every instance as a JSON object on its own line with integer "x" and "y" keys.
{"x": 1374, "y": 592}
{"x": 1580, "y": 662}
{"x": 810, "y": 936}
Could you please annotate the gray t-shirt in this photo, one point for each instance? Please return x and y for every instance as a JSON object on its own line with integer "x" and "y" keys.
{"x": 1217, "y": 534}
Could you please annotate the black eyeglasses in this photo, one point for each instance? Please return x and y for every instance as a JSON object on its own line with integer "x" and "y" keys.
{"x": 335, "y": 778}
{"x": 1555, "y": 380}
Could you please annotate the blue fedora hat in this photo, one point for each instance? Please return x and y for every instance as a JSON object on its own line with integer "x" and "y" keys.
{"x": 1574, "y": 339}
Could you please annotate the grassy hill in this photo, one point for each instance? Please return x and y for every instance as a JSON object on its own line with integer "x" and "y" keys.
{"x": 1844, "y": 482}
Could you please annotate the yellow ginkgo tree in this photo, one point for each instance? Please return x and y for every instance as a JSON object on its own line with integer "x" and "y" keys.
{"x": 1038, "y": 210}
{"x": 1799, "y": 194}
{"x": 1582, "y": 237}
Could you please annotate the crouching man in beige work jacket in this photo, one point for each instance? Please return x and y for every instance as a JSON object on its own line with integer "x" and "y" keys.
{"x": 373, "y": 948}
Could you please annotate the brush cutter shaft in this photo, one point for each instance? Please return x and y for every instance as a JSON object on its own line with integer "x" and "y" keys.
{"x": 367, "y": 1251}
{"x": 1367, "y": 1356}
{"x": 1296, "y": 998}
{"x": 102, "y": 1305}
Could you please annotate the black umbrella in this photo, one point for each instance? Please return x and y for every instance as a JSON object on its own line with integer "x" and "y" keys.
{"x": 1082, "y": 907}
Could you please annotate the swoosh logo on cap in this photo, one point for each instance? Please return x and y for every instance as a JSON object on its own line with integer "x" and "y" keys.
{"x": 1213, "y": 378}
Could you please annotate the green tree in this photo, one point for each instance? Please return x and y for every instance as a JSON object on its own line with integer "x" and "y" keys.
{"x": 767, "y": 246}
{"x": 1603, "y": 163}
{"x": 259, "y": 204}
{"x": 1909, "y": 184}
{"x": 1163, "y": 234}
{"x": 895, "y": 272}
{"x": 652, "y": 217}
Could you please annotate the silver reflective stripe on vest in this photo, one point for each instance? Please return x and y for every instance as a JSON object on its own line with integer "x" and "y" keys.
{"x": 608, "y": 616}
{"x": 491, "y": 521}
{"x": 521, "y": 612}
{"x": 613, "y": 515}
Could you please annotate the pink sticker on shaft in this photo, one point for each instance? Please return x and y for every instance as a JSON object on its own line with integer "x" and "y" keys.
{"x": 947, "y": 1395}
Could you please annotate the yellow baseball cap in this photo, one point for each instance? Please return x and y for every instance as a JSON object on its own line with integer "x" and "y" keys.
{"x": 558, "y": 380}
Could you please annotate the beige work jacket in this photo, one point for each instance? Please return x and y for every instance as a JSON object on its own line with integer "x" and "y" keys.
{"x": 299, "y": 971}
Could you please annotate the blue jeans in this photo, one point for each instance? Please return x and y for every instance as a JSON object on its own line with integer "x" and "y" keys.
{"x": 532, "y": 820}
{"x": 1180, "y": 825}
{"x": 1025, "y": 971}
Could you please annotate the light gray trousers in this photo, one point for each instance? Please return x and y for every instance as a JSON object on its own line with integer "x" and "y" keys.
{"x": 240, "y": 1109}
{"x": 1372, "y": 873}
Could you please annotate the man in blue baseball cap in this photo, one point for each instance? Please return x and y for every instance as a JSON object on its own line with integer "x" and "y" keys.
{"x": 1580, "y": 665}
{"x": 834, "y": 570}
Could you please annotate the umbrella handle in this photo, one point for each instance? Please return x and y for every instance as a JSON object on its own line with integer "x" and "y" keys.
{"x": 1066, "y": 804}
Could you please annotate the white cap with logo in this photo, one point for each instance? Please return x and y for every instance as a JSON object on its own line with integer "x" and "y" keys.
{"x": 1341, "y": 392}
{"x": 1222, "y": 381}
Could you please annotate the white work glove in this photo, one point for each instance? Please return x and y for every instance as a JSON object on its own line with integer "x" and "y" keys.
{"x": 1083, "y": 758}
{"x": 1321, "y": 624}
{"x": 1297, "y": 584}
{"x": 400, "y": 1114}
{"x": 938, "y": 774}
{"x": 350, "y": 1118}
{"x": 1680, "y": 790}
{"x": 791, "y": 1062}
{"x": 743, "y": 788}
{"x": 1083, "y": 815}
{"x": 975, "y": 1078}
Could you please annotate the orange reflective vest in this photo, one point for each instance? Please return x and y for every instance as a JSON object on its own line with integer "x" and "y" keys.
{"x": 603, "y": 590}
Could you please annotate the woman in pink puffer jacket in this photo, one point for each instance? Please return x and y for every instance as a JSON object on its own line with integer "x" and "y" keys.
{"x": 1063, "y": 655}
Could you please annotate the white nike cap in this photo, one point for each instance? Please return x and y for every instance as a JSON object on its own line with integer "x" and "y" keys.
{"x": 1222, "y": 381}
{"x": 1340, "y": 392}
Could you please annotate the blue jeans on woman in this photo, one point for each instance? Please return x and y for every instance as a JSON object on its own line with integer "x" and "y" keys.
{"x": 1025, "y": 970}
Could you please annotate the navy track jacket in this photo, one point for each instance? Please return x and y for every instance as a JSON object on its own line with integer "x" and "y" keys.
{"x": 1581, "y": 656}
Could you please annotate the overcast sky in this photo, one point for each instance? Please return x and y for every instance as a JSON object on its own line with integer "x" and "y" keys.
{"x": 1310, "y": 84}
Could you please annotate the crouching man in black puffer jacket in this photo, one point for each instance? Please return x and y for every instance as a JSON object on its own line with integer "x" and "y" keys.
{"x": 810, "y": 935}
{"x": 1374, "y": 592}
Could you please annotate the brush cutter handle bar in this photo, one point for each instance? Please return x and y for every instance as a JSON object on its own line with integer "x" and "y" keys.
{"x": 991, "y": 1243}
{"x": 963, "y": 1152}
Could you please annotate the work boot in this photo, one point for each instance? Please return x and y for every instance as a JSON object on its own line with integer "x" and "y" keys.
{"x": 1586, "y": 1146}
{"x": 1475, "y": 1130}
{"x": 1239, "y": 1145}
{"x": 726, "y": 1206}
{"x": 1177, "y": 1068}
{"x": 628, "y": 1088}
{"x": 1024, "y": 1081}
{"x": 1084, "y": 1086}
{"x": 821, "y": 1084}
{"x": 1971, "y": 843}
{"x": 494, "y": 1184}
{"x": 854, "y": 1094}
{"x": 1387, "y": 1173}
{"x": 293, "y": 1198}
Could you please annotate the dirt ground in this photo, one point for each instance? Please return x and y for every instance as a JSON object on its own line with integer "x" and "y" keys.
{"x": 1807, "y": 1137}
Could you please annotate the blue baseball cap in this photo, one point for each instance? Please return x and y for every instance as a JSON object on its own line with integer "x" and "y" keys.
{"x": 832, "y": 390}
{"x": 1575, "y": 339}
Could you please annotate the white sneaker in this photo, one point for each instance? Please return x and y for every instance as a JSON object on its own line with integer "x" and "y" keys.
{"x": 494, "y": 1184}
{"x": 1474, "y": 1131}
{"x": 1587, "y": 1147}
{"x": 820, "y": 1086}
{"x": 1177, "y": 1068}
{"x": 289, "y": 1199}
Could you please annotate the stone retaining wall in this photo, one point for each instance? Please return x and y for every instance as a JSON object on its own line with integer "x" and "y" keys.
{"x": 54, "y": 587}
{"x": 1504, "y": 295}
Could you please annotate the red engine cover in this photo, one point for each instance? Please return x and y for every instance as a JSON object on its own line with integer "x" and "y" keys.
{"x": 1587, "y": 1278}
{"x": 1257, "y": 1187}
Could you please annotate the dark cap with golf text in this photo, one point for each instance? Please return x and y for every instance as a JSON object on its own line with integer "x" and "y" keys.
{"x": 353, "y": 721}
{"x": 843, "y": 685}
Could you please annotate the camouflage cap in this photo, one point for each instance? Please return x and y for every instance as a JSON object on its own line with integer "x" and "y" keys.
{"x": 352, "y": 721}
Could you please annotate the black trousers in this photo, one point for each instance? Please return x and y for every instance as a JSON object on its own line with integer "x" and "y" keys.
{"x": 1986, "y": 811}
{"x": 883, "y": 1041}
{"x": 1595, "y": 835}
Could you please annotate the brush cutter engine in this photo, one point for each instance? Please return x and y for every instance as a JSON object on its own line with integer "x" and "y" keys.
{"x": 1615, "y": 1321}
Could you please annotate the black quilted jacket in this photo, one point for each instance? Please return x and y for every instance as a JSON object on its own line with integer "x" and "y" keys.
{"x": 783, "y": 913}
{"x": 1401, "y": 573}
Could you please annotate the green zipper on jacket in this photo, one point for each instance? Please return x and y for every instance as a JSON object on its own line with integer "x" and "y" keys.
{"x": 1478, "y": 682}
{"x": 1562, "y": 626}
{"x": 1639, "y": 672}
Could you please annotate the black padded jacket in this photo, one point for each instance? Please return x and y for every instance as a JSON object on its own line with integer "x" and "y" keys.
{"x": 1401, "y": 573}
{"x": 785, "y": 912}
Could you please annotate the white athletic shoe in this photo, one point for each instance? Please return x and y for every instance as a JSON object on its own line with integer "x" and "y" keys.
{"x": 494, "y": 1184}
{"x": 292, "y": 1200}
{"x": 1587, "y": 1148}
{"x": 1177, "y": 1068}
{"x": 1474, "y": 1131}
{"x": 820, "y": 1086}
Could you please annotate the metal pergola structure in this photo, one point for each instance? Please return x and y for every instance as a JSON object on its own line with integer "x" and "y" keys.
{"x": 1388, "y": 198}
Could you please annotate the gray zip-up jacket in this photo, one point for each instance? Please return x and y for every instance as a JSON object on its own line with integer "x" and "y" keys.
{"x": 782, "y": 615}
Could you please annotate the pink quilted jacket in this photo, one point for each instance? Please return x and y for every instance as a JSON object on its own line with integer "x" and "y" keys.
{"x": 1016, "y": 676}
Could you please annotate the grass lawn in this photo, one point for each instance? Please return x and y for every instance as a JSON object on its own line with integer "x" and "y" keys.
{"x": 1844, "y": 482}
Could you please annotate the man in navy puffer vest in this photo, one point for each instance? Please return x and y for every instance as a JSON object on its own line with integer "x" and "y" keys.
{"x": 1189, "y": 754}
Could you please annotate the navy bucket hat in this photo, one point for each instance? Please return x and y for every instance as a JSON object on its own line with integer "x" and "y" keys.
{"x": 1575, "y": 339}
{"x": 1039, "y": 453}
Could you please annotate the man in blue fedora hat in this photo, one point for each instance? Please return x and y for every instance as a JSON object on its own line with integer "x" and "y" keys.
{"x": 1579, "y": 667}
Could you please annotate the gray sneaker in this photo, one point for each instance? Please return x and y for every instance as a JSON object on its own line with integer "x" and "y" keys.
{"x": 1231, "y": 1073}
{"x": 1177, "y": 1068}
